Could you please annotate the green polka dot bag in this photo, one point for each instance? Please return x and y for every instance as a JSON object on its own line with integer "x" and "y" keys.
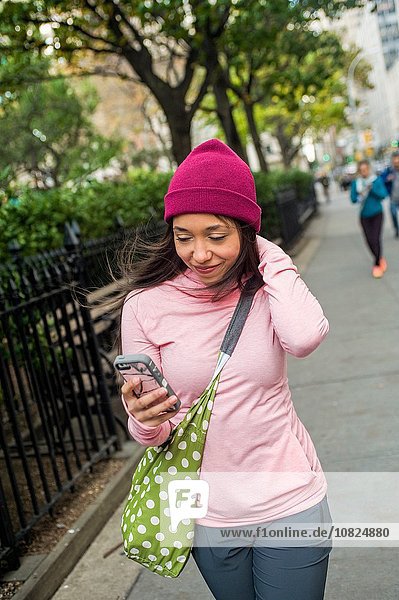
{"x": 158, "y": 520}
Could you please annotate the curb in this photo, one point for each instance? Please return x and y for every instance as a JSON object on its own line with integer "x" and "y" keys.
{"x": 308, "y": 244}
{"x": 51, "y": 572}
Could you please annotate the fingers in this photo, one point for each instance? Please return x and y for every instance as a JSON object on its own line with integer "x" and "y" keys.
{"x": 159, "y": 419}
{"x": 129, "y": 385}
{"x": 149, "y": 408}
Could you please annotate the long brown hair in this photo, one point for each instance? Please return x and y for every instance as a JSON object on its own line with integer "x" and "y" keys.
{"x": 149, "y": 259}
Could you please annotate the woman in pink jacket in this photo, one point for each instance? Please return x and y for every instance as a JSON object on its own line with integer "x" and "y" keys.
{"x": 259, "y": 459}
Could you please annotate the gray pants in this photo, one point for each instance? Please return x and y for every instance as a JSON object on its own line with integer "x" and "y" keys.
{"x": 254, "y": 569}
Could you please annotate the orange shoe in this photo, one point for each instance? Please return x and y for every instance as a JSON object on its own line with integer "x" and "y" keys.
{"x": 377, "y": 272}
{"x": 383, "y": 264}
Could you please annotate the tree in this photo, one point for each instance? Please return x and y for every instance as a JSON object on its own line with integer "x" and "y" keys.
{"x": 163, "y": 43}
{"x": 52, "y": 138}
{"x": 313, "y": 97}
{"x": 250, "y": 42}
{"x": 265, "y": 46}
{"x": 308, "y": 91}
{"x": 170, "y": 46}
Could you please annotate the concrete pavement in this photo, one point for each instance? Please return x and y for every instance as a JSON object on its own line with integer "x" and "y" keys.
{"x": 346, "y": 393}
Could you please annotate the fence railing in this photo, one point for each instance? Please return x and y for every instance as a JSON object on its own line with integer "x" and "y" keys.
{"x": 98, "y": 257}
{"x": 56, "y": 419}
{"x": 293, "y": 212}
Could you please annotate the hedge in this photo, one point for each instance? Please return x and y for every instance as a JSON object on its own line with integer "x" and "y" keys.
{"x": 36, "y": 218}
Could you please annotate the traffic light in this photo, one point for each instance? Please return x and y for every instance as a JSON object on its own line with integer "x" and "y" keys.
{"x": 368, "y": 137}
{"x": 358, "y": 155}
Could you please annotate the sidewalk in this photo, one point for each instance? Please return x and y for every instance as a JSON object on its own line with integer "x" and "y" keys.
{"x": 346, "y": 395}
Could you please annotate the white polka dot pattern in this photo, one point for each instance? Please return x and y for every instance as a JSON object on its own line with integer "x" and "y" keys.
{"x": 149, "y": 538}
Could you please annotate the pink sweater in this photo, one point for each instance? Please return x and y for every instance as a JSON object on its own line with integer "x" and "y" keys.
{"x": 258, "y": 458}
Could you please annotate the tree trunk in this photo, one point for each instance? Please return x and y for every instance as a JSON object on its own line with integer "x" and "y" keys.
{"x": 172, "y": 100}
{"x": 180, "y": 131}
{"x": 173, "y": 103}
{"x": 294, "y": 151}
{"x": 249, "y": 112}
{"x": 225, "y": 114}
{"x": 285, "y": 145}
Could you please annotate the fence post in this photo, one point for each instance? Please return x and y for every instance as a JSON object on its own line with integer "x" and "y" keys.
{"x": 288, "y": 213}
{"x": 73, "y": 245}
{"x": 71, "y": 240}
{"x": 7, "y": 537}
{"x": 119, "y": 224}
{"x": 14, "y": 249}
{"x": 313, "y": 197}
{"x": 76, "y": 229}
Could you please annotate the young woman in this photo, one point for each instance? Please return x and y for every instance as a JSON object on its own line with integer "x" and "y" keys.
{"x": 178, "y": 304}
{"x": 368, "y": 190}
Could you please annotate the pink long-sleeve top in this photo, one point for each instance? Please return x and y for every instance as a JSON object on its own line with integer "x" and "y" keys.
{"x": 259, "y": 459}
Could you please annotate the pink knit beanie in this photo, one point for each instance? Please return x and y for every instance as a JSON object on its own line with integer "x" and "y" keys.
{"x": 213, "y": 179}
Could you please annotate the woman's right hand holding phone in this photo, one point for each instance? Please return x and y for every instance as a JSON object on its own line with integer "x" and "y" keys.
{"x": 149, "y": 408}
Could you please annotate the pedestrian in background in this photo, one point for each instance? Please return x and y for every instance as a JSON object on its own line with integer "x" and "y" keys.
{"x": 368, "y": 191}
{"x": 390, "y": 178}
{"x": 185, "y": 292}
{"x": 325, "y": 182}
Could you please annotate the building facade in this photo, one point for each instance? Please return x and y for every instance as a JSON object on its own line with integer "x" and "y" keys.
{"x": 388, "y": 23}
{"x": 374, "y": 29}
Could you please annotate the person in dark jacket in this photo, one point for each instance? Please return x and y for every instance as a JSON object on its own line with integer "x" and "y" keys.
{"x": 390, "y": 178}
{"x": 368, "y": 191}
{"x": 325, "y": 182}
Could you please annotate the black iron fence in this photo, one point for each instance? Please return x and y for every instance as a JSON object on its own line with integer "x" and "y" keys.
{"x": 56, "y": 419}
{"x": 294, "y": 210}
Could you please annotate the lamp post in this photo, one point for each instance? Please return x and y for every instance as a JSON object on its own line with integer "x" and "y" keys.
{"x": 351, "y": 96}
{"x": 351, "y": 89}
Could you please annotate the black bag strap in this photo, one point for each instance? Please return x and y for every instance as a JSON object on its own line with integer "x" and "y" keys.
{"x": 238, "y": 319}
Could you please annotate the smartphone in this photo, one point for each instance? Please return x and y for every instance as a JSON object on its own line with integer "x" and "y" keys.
{"x": 141, "y": 365}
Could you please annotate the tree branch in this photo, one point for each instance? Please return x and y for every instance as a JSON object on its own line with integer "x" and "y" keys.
{"x": 71, "y": 49}
{"x": 157, "y": 133}
{"x": 93, "y": 8}
{"x": 75, "y": 26}
{"x": 219, "y": 30}
{"x": 95, "y": 50}
{"x": 98, "y": 72}
{"x": 251, "y": 74}
{"x": 118, "y": 12}
{"x": 236, "y": 90}
{"x": 294, "y": 150}
{"x": 203, "y": 90}
{"x": 188, "y": 75}
{"x": 172, "y": 68}
{"x": 92, "y": 36}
